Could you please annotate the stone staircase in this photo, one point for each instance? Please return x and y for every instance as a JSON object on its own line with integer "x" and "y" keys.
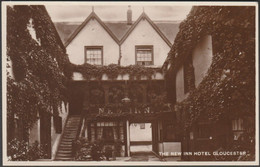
{"x": 64, "y": 152}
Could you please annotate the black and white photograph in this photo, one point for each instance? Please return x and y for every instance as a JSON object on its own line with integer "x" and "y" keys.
{"x": 129, "y": 83}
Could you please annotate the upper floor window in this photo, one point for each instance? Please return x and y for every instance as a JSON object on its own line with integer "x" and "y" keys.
{"x": 94, "y": 55}
{"x": 144, "y": 55}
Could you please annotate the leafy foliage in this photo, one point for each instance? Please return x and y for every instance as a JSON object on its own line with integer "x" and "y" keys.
{"x": 40, "y": 66}
{"x": 230, "y": 83}
{"x": 87, "y": 151}
{"x": 112, "y": 71}
{"x": 21, "y": 151}
{"x": 228, "y": 90}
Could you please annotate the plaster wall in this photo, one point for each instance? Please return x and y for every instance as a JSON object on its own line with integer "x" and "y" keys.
{"x": 180, "y": 95}
{"x": 93, "y": 34}
{"x": 144, "y": 34}
{"x": 202, "y": 58}
{"x": 35, "y": 130}
{"x": 138, "y": 134}
{"x": 55, "y": 137}
{"x": 170, "y": 148}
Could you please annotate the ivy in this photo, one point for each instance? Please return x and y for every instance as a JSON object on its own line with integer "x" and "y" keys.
{"x": 112, "y": 71}
{"x": 41, "y": 68}
{"x": 229, "y": 85}
{"x": 228, "y": 90}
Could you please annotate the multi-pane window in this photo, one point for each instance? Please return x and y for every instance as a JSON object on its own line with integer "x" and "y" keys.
{"x": 94, "y": 55}
{"x": 144, "y": 55}
{"x": 238, "y": 128}
{"x": 107, "y": 131}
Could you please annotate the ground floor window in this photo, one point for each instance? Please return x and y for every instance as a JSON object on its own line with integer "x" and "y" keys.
{"x": 169, "y": 132}
{"x": 204, "y": 130}
{"x": 237, "y": 128}
{"x": 107, "y": 131}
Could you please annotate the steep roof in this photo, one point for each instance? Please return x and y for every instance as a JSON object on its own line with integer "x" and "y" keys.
{"x": 79, "y": 28}
{"x": 118, "y": 28}
{"x": 166, "y": 29}
{"x": 169, "y": 29}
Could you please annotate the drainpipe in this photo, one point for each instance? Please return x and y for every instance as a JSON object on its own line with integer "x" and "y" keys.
{"x": 120, "y": 56}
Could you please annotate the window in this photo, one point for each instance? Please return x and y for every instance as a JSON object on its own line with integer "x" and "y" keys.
{"x": 169, "y": 132}
{"x": 94, "y": 55}
{"x": 107, "y": 131}
{"x": 144, "y": 55}
{"x": 237, "y": 128}
{"x": 204, "y": 130}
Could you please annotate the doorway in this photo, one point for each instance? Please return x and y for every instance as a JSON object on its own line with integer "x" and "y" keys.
{"x": 76, "y": 103}
{"x": 140, "y": 137}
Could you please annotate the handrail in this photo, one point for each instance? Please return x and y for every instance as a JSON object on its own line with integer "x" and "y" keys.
{"x": 82, "y": 127}
{"x": 61, "y": 136}
{"x": 77, "y": 135}
{"x": 79, "y": 128}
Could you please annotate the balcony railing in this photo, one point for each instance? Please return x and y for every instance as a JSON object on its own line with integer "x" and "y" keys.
{"x": 126, "y": 109}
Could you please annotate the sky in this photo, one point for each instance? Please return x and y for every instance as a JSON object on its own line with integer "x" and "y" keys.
{"x": 78, "y": 13}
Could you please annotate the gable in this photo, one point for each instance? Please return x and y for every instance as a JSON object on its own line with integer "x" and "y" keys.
{"x": 143, "y": 17}
{"x": 143, "y": 34}
{"x": 92, "y": 33}
{"x": 92, "y": 16}
{"x": 119, "y": 29}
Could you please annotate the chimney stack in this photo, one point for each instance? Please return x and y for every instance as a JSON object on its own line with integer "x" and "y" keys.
{"x": 129, "y": 15}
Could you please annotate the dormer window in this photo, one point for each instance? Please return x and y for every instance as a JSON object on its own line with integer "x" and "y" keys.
{"x": 144, "y": 55}
{"x": 94, "y": 55}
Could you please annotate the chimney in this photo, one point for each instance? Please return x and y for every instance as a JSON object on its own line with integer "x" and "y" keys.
{"x": 129, "y": 15}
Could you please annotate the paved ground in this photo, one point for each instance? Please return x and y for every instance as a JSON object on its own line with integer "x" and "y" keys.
{"x": 145, "y": 156}
{"x": 140, "y": 156}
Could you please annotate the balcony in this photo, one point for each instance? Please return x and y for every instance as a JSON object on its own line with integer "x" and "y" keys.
{"x": 126, "y": 110}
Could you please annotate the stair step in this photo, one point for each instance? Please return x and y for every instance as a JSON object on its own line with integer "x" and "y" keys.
{"x": 65, "y": 149}
{"x": 72, "y": 128}
{"x": 70, "y": 137}
{"x": 70, "y": 134}
{"x": 70, "y": 131}
{"x": 64, "y": 154}
{"x": 67, "y": 133}
{"x": 63, "y": 159}
{"x": 66, "y": 140}
{"x": 66, "y": 146}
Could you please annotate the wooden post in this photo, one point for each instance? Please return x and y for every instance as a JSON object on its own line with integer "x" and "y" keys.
{"x": 128, "y": 138}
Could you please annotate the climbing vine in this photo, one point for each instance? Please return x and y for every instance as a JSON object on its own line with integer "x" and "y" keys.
{"x": 228, "y": 90}
{"x": 230, "y": 82}
{"x": 113, "y": 70}
{"x": 40, "y": 66}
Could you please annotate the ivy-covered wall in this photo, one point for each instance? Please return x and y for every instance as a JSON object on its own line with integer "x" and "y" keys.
{"x": 40, "y": 66}
{"x": 228, "y": 90}
{"x": 113, "y": 70}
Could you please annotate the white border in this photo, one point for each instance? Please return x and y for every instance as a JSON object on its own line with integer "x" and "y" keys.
{"x": 110, "y": 163}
